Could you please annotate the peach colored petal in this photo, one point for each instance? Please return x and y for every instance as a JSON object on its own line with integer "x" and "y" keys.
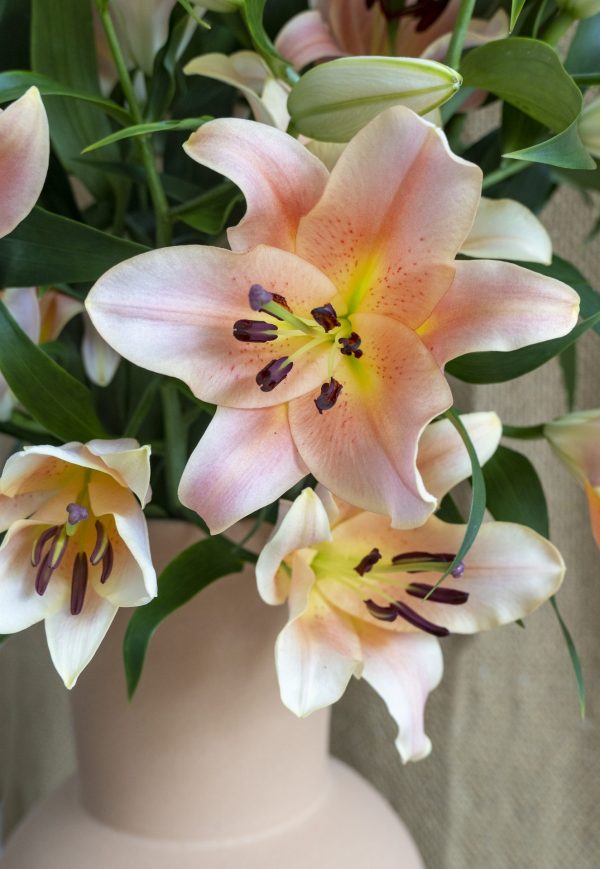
{"x": 364, "y": 449}
{"x": 414, "y": 43}
{"x": 305, "y": 524}
{"x": 318, "y": 651}
{"x": 498, "y": 306}
{"x": 356, "y": 29}
{"x": 593, "y": 496}
{"x": 403, "y": 669}
{"x": 56, "y": 310}
{"x": 19, "y": 507}
{"x": 307, "y": 38}
{"x": 576, "y": 440}
{"x": 506, "y": 229}
{"x": 480, "y": 31}
{"x": 173, "y": 310}
{"x": 280, "y": 179}
{"x": 20, "y": 605}
{"x": 443, "y": 460}
{"x": 127, "y": 462}
{"x": 24, "y": 153}
{"x": 245, "y": 460}
{"x": 396, "y": 210}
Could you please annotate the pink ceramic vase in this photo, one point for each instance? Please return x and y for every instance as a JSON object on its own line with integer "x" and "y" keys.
{"x": 205, "y": 768}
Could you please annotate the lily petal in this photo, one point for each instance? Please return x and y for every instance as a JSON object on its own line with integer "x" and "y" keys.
{"x": 593, "y": 496}
{"x": 280, "y": 179}
{"x": 305, "y": 39}
{"x": 304, "y": 524}
{"x": 99, "y": 359}
{"x": 24, "y": 154}
{"x": 56, "y": 310}
{"x": 506, "y": 229}
{"x": 245, "y": 460}
{"x": 318, "y": 651}
{"x": 22, "y": 302}
{"x": 443, "y": 460}
{"x": 403, "y": 669}
{"x": 498, "y": 306}
{"x": 364, "y": 449}
{"x": 129, "y": 463}
{"x": 177, "y": 315}
{"x": 396, "y": 177}
{"x": 74, "y": 640}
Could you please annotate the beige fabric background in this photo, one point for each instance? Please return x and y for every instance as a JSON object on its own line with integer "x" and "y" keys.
{"x": 514, "y": 778}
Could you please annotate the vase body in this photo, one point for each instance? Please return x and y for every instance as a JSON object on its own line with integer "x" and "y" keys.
{"x": 205, "y": 769}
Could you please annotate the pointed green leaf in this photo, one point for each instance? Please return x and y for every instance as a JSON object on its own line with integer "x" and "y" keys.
{"x": 145, "y": 129}
{"x": 515, "y": 11}
{"x": 180, "y": 581}
{"x": 514, "y": 490}
{"x": 575, "y": 660}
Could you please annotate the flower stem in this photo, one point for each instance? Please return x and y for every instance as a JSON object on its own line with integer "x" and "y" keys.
{"x": 157, "y": 194}
{"x": 504, "y": 172}
{"x": 557, "y": 28}
{"x": 465, "y": 13}
{"x": 524, "y": 433}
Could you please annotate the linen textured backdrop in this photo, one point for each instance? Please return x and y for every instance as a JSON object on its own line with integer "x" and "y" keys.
{"x": 512, "y": 781}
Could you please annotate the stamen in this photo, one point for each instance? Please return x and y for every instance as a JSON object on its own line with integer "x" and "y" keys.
{"x": 273, "y": 373}
{"x": 442, "y": 594}
{"x": 383, "y": 613}
{"x": 43, "y": 575}
{"x": 418, "y": 621}
{"x": 350, "y": 345}
{"x": 78, "y": 583}
{"x": 101, "y": 543}
{"x": 40, "y": 542}
{"x": 58, "y": 548}
{"x": 259, "y": 297}
{"x": 366, "y": 564}
{"x": 330, "y": 392}
{"x": 107, "y": 563}
{"x": 256, "y": 331}
{"x": 326, "y": 317}
{"x": 431, "y": 557}
{"x": 77, "y": 513}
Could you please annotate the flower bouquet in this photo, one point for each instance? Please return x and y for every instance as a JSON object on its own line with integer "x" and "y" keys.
{"x": 244, "y": 245}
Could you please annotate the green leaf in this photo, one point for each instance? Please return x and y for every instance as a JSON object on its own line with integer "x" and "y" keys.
{"x": 528, "y": 74}
{"x": 48, "y": 249}
{"x": 514, "y": 490}
{"x": 253, "y": 13}
{"x": 56, "y": 400}
{"x": 334, "y": 100}
{"x": 63, "y": 46}
{"x": 180, "y": 581}
{"x": 449, "y": 512}
{"x": 497, "y": 366}
{"x": 515, "y": 11}
{"x": 209, "y": 212}
{"x": 145, "y": 129}
{"x": 575, "y": 661}
{"x": 4, "y": 638}
{"x": 14, "y": 85}
{"x": 568, "y": 367}
{"x": 583, "y": 54}
{"x": 478, "y": 496}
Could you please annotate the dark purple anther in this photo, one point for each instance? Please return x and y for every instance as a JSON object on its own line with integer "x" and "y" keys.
{"x": 350, "y": 345}
{"x": 100, "y": 544}
{"x": 383, "y": 613}
{"x": 38, "y": 547}
{"x": 330, "y": 392}
{"x": 256, "y": 331}
{"x": 43, "y": 575}
{"x": 259, "y": 297}
{"x": 413, "y": 618}
{"x": 426, "y": 11}
{"x": 79, "y": 579}
{"x": 432, "y": 558}
{"x": 76, "y": 513}
{"x": 107, "y": 562}
{"x": 451, "y": 596}
{"x": 366, "y": 564}
{"x": 326, "y": 317}
{"x": 273, "y": 373}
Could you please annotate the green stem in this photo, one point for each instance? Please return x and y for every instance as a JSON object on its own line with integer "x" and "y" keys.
{"x": 557, "y": 28}
{"x": 524, "y": 433}
{"x": 465, "y": 13}
{"x": 142, "y": 409}
{"x": 157, "y": 194}
{"x": 587, "y": 79}
{"x": 504, "y": 172}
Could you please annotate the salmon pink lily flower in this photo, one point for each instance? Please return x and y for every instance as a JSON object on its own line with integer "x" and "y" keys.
{"x": 362, "y": 596}
{"x": 323, "y": 335}
{"x": 575, "y": 439}
{"x": 76, "y": 544}
{"x": 24, "y": 154}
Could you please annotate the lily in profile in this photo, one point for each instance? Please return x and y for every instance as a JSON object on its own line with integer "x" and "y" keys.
{"x": 362, "y": 595}
{"x": 322, "y": 336}
{"x": 24, "y": 155}
{"x": 575, "y": 438}
{"x": 76, "y": 544}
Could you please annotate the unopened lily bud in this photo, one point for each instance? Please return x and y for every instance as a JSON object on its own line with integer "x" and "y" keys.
{"x": 589, "y": 128}
{"x": 335, "y": 100}
{"x": 579, "y": 8}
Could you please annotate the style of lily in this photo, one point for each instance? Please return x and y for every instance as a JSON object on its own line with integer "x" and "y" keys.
{"x": 76, "y": 545}
{"x": 362, "y": 596}
{"x": 323, "y": 335}
{"x": 24, "y": 155}
{"x": 575, "y": 438}
{"x": 338, "y": 28}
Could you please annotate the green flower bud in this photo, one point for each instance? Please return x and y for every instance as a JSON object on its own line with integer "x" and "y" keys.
{"x": 579, "y": 8}
{"x": 589, "y": 128}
